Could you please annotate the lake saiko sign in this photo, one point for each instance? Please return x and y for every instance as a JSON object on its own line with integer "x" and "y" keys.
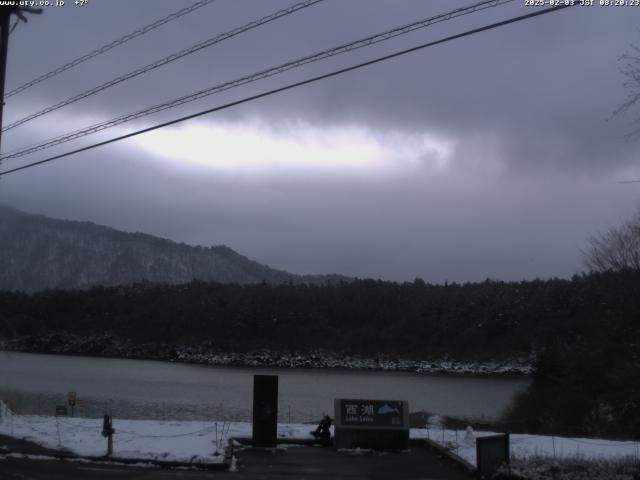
{"x": 372, "y": 413}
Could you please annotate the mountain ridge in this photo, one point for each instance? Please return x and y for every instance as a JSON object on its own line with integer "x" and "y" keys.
{"x": 39, "y": 252}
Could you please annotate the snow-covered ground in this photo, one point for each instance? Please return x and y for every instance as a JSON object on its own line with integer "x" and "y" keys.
{"x": 189, "y": 441}
{"x": 195, "y": 441}
{"x": 529, "y": 446}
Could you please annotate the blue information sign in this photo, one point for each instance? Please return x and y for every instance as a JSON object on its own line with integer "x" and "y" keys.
{"x": 373, "y": 413}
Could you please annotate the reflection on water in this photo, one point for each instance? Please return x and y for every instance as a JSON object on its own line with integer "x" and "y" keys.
{"x": 33, "y": 383}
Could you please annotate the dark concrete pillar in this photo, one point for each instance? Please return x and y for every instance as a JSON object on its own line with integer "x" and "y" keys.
{"x": 265, "y": 410}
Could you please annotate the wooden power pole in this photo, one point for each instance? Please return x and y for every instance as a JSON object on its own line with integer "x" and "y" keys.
{"x": 5, "y": 20}
{"x": 5, "y": 27}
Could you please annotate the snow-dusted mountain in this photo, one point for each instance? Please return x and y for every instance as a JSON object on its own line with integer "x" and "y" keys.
{"x": 37, "y": 252}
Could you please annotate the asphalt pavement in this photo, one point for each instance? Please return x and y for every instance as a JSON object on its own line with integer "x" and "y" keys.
{"x": 284, "y": 462}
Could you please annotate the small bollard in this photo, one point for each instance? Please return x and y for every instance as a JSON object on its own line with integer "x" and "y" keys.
{"x": 108, "y": 431}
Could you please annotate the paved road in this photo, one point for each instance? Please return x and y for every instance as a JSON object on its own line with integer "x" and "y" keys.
{"x": 21, "y": 469}
{"x": 292, "y": 463}
{"x": 316, "y": 463}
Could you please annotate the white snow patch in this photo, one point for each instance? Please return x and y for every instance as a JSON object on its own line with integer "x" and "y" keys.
{"x": 462, "y": 444}
{"x": 185, "y": 441}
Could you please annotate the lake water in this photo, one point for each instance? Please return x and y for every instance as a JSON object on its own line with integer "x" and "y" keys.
{"x": 35, "y": 383}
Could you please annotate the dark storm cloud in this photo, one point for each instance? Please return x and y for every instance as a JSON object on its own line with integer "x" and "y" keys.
{"x": 533, "y": 78}
{"x": 532, "y": 171}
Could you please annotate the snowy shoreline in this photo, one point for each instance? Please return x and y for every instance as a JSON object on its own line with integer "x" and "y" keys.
{"x": 109, "y": 347}
{"x": 207, "y": 441}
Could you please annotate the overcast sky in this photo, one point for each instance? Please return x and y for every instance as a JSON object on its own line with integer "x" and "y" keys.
{"x": 488, "y": 156}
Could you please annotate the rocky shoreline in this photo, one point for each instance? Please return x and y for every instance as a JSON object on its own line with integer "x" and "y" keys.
{"x": 110, "y": 346}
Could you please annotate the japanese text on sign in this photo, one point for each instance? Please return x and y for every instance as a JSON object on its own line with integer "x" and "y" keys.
{"x": 371, "y": 412}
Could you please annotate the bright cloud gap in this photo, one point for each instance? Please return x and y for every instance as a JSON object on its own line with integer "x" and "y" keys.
{"x": 259, "y": 148}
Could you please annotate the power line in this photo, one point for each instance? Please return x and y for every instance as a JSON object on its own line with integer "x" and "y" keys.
{"x": 345, "y": 48}
{"x": 13, "y": 27}
{"x": 293, "y": 85}
{"x": 109, "y": 46}
{"x": 166, "y": 60}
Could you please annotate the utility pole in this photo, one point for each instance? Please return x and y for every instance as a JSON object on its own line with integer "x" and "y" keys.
{"x": 5, "y": 20}
{"x": 5, "y": 27}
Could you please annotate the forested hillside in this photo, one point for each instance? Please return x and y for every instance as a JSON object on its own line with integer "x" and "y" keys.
{"x": 38, "y": 252}
{"x": 471, "y": 320}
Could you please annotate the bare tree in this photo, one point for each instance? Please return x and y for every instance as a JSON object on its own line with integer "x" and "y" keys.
{"x": 616, "y": 249}
{"x": 630, "y": 70}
